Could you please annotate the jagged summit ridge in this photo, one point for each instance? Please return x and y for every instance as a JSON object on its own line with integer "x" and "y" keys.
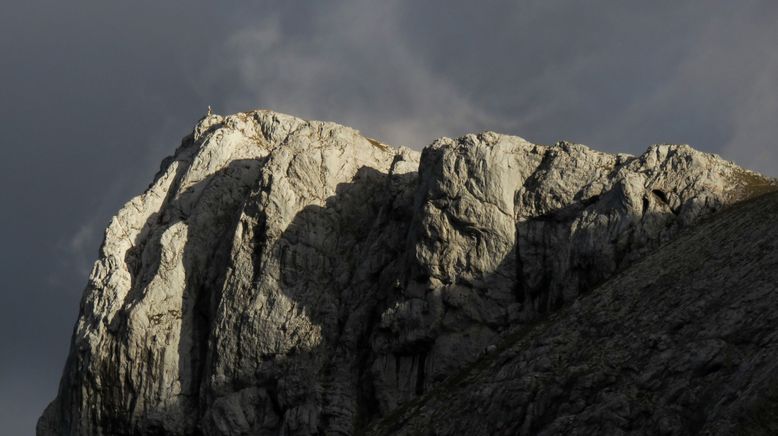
{"x": 283, "y": 275}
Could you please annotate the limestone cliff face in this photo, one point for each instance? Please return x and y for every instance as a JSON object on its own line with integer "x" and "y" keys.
{"x": 295, "y": 277}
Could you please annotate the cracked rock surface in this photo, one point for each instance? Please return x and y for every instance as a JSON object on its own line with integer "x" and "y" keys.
{"x": 684, "y": 342}
{"x": 283, "y": 276}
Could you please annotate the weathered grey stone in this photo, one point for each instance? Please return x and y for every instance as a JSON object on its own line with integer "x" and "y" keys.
{"x": 505, "y": 231}
{"x": 684, "y": 342}
{"x": 295, "y": 277}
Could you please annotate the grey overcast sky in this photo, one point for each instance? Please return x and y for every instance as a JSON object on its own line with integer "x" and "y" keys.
{"x": 95, "y": 93}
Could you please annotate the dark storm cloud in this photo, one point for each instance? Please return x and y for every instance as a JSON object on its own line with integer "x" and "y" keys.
{"x": 615, "y": 75}
{"x": 95, "y": 93}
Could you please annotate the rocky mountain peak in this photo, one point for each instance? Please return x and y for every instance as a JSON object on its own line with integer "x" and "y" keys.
{"x": 289, "y": 276}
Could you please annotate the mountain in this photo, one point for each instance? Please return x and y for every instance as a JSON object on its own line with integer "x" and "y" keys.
{"x": 295, "y": 277}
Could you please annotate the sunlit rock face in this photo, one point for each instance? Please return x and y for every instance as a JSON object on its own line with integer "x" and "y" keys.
{"x": 290, "y": 276}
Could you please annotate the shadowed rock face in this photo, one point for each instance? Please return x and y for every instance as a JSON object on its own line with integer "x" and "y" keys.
{"x": 684, "y": 342}
{"x": 291, "y": 276}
